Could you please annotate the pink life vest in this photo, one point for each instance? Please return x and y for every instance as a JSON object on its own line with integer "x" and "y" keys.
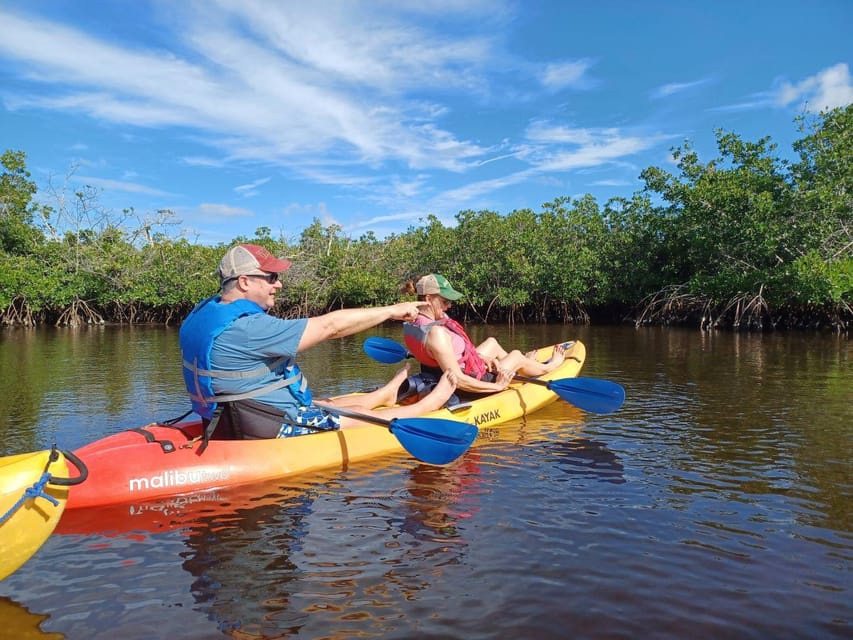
{"x": 415, "y": 334}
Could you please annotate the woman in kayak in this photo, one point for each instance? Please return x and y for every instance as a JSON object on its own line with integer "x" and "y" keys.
{"x": 236, "y": 354}
{"x": 439, "y": 342}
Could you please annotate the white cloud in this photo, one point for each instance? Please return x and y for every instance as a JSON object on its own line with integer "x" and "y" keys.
{"x": 266, "y": 81}
{"x": 363, "y": 97}
{"x": 363, "y": 44}
{"x": 222, "y": 211}
{"x": 612, "y": 183}
{"x": 676, "y": 87}
{"x": 251, "y": 189}
{"x": 542, "y": 131}
{"x": 371, "y": 223}
{"x": 592, "y": 155}
{"x": 570, "y": 73}
{"x": 120, "y": 185}
{"x": 199, "y": 161}
{"x": 553, "y": 148}
{"x": 826, "y": 89}
{"x": 462, "y": 197}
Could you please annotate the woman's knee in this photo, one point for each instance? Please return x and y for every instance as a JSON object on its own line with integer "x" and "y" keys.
{"x": 513, "y": 360}
{"x": 489, "y": 343}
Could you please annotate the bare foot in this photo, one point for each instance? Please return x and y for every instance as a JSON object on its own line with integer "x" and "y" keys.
{"x": 557, "y": 358}
{"x": 436, "y": 398}
{"x": 386, "y": 395}
{"x": 446, "y": 384}
{"x": 398, "y": 378}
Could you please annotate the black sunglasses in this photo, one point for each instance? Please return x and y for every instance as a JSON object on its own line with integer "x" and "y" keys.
{"x": 271, "y": 278}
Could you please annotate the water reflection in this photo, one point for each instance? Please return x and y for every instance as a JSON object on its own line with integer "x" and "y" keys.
{"x": 438, "y": 498}
{"x": 585, "y": 458}
{"x": 325, "y": 553}
{"x": 25, "y": 624}
{"x": 226, "y": 555}
{"x": 716, "y": 503}
{"x": 74, "y": 385}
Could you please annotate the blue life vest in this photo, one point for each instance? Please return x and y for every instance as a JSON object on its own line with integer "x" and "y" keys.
{"x": 205, "y": 322}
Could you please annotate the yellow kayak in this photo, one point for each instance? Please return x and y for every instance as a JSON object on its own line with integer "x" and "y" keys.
{"x": 520, "y": 398}
{"x": 33, "y": 494}
{"x": 168, "y": 459}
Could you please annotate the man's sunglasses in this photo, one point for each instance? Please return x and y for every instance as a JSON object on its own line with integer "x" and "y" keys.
{"x": 271, "y": 278}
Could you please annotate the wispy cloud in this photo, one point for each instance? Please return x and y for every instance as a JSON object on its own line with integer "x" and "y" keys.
{"x": 570, "y": 73}
{"x": 758, "y": 101}
{"x": 564, "y": 148}
{"x": 120, "y": 185}
{"x": 200, "y": 161}
{"x": 827, "y": 89}
{"x": 471, "y": 192}
{"x": 676, "y": 87}
{"x": 553, "y": 149}
{"x": 261, "y": 89}
{"x": 612, "y": 183}
{"x": 251, "y": 189}
{"x": 208, "y": 209}
{"x": 361, "y": 98}
{"x": 373, "y": 222}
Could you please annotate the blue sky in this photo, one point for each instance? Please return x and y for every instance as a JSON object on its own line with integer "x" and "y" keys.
{"x": 237, "y": 114}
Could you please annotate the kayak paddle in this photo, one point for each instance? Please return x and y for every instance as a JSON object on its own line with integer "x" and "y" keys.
{"x": 589, "y": 394}
{"x": 431, "y": 440}
{"x": 385, "y": 350}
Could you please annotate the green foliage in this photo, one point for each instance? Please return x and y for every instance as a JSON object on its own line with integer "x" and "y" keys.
{"x": 811, "y": 280}
{"x": 633, "y": 255}
{"x": 748, "y": 225}
{"x": 571, "y": 239}
{"x": 18, "y": 235}
{"x": 742, "y": 239}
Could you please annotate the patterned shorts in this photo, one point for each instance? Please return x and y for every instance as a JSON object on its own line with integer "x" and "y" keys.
{"x": 314, "y": 419}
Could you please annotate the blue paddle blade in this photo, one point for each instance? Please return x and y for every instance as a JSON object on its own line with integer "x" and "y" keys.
{"x": 434, "y": 440}
{"x": 589, "y": 394}
{"x": 385, "y": 350}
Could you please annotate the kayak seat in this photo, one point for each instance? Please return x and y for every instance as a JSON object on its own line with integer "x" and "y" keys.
{"x": 418, "y": 385}
{"x": 248, "y": 420}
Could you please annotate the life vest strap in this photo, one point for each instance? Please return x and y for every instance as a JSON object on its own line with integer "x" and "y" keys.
{"x": 235, "y": 375}
{"x": 231, "y": 397}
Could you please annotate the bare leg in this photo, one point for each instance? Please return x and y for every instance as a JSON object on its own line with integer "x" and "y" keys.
{"x": 516, "y": 361}
{"x": 435, "y": 399}
{"x": 491, "y": 348}
{"x": 432, "y": 401}
{"x": 382, "y": 397}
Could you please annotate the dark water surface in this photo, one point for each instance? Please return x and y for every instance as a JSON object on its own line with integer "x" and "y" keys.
{"x": 718, "y": 503}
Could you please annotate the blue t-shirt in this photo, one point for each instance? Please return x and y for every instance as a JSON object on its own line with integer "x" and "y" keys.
{"x": 246, "y": 344}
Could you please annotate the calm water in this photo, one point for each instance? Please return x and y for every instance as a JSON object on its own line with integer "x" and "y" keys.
{"x": 718, "y": 503}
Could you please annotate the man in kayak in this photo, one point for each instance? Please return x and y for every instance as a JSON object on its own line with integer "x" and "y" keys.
{"x": 239, "y": 362}
{"x": 440, "y": 343}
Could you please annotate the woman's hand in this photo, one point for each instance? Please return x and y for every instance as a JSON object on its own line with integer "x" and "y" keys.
{"x": 491, "y": 362}
{"x": 504, "y": 377}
